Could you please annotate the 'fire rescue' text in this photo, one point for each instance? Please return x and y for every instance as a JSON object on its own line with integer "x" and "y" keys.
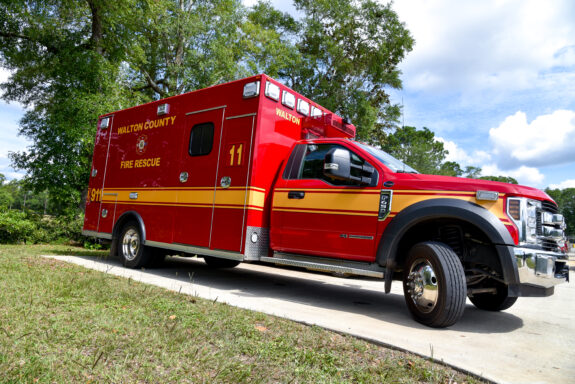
{"x": 141, "y": 163}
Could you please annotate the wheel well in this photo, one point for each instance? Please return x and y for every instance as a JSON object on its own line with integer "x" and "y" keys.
{"x": 125, "y": 218}
{"x": 469, "y": 242}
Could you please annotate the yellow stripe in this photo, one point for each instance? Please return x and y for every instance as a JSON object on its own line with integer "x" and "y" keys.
{"x": 230, "y": 197}
{"x": 401, "y": 202}
{"x": 188, "y": 205}
{"x": 367, "y": 201}
{"x": 329, "y": 201}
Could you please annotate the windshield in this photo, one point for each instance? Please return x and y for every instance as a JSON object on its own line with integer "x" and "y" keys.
{"x": 388, "y": 160}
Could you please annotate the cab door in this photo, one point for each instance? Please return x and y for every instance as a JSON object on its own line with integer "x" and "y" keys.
{"x": 315, "y": 215}
{"x": 200, "y": 152}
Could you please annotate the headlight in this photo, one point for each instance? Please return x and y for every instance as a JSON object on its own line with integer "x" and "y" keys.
{"x": 532, "y": 207}
{"x": 523, "y": 212}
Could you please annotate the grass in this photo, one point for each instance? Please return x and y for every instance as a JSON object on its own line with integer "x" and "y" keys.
{"x": 63, "y": 323}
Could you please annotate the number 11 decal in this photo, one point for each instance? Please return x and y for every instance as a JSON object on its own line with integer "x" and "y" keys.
{"x": 236, "y": 152}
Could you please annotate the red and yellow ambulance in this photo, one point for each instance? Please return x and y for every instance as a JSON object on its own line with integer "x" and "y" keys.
{"x": 253, "y": 171}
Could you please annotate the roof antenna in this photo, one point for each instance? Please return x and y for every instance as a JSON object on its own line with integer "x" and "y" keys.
{"x": 402, "y": 114}
{"x": 402, "y": 126}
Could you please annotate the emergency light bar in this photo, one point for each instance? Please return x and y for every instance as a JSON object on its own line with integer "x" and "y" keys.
{"x": 272, "y": 91}
{"x": 303, "y": 107}
{"x": 105, "y": 123}
{"x": 163, "y": 109}
{"x": 328, "y": 125}
{"x": 288, "y": 99}
{"x": 251, "y": 89}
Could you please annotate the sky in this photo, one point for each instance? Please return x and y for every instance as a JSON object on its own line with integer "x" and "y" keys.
{"x": 493, "y": 79}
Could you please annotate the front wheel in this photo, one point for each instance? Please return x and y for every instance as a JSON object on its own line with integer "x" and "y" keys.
{"x": 130, "y": 247}
{"x": 434, "y": 284}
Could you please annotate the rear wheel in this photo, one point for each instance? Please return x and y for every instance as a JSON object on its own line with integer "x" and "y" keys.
{"x": 130, "y": 247}
{"x": 434, "y": 284}
{"x": 216, "y": 262}
{"x": 498, "y": 301}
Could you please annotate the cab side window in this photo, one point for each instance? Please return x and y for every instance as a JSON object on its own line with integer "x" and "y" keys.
{"x": 312, "y": 165}
{"x": 201, "y": 139}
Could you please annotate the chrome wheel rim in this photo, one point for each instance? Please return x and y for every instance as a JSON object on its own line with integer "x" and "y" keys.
{"x": 422, "y": 285}
{"x": 130, "y": 244}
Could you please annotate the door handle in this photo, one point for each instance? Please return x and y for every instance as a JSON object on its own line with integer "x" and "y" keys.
{"x": 296, "y": 194}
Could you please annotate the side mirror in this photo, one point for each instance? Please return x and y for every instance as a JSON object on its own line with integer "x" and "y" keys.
{"x": 337, "y": 164}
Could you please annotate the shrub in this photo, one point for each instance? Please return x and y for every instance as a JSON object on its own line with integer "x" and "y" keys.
{"x": 16, "y": 227}
{"x": 21, "y": 227}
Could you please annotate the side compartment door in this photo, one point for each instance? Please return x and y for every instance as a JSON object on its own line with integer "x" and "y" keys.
{"x": 200, "y": 153}
{"x": 93, "y": 212}
{"x": 315, "y": 215}
{"x": 231, "y": 195}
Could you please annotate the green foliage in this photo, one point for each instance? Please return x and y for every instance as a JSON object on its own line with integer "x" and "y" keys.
{"x": 15, "y": 227}
{"x": 350, "y": 52}
{"x": 416, "y": 148}
{"x": 565, "y": 199}
{"x": 503, "y": 179}
{"x": 66, "y": 62}
{"x": 75, "y": 60}
{"x": 450, "y": 168}
{"x": 25, "y": 227}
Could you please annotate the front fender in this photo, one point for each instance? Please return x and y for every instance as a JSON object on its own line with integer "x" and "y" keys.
{"x": 443, "y": 208}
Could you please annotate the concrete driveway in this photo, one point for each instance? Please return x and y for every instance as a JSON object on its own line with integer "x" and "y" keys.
{"x": 532, "y": 342}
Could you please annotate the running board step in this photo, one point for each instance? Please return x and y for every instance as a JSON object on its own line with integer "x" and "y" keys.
{"x": 327, "y": 265}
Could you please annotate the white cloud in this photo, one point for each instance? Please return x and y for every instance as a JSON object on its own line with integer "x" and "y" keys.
{"x": 547, "y": 140}
{"x": 461, "y": 157}
{"x": 4, "y": 74}
{"x": 524, "y": 175}
{"x": 564, "y": 184}
{"x": 473, "y": 45}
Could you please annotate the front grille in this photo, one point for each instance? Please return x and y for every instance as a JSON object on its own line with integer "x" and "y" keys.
{"x": 547, "y": 244}
{"x": 539, "y": 224}
{"x": 549, "y": 207}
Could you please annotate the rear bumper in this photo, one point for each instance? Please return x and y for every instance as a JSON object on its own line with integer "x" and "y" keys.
{"x": 540, "y": 271}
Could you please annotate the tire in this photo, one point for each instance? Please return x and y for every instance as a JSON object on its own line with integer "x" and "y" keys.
{"x": 130, "y": 248}
{"x": 434, "y": 285}
{"x": 499, "y": 301}
{"x": 216, "y": 262}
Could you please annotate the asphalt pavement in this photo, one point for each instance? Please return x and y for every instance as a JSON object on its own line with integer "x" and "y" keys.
{"x": 532, "y": 342}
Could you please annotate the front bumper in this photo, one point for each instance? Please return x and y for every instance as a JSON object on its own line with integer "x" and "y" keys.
{"x": 540, "y": 271}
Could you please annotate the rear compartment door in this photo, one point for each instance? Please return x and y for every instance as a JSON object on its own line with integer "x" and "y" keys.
{"x": 232, "y": 183}
{"x": 95, "y": 193}
{"x": 200, "y": 153}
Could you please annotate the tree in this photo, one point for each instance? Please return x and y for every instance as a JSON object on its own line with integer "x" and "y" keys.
{"x": 350, "y": 52}
{"x": 565, "y": 199}
{"x": 503, "y": 179}
{"x": 65, "y": 59}
{"x": 418, "y": 149}
{"x": 75, "y": 60}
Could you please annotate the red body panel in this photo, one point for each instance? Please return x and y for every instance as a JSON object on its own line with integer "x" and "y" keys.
{"x": 144, "y": 153}
{"x": 143, "y": 164}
